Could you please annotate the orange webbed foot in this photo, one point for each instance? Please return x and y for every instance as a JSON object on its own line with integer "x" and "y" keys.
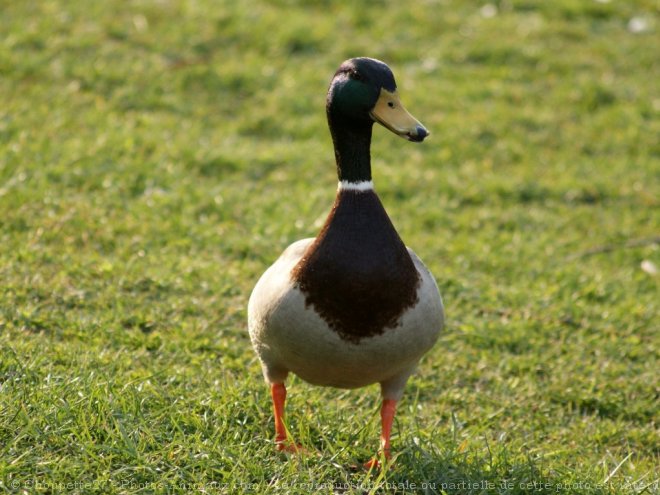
{"x": 290, "y": 448}
{"x": 375, "y": 462}
{"x": 387, "y": 412}
{"x": 283, "y": 441}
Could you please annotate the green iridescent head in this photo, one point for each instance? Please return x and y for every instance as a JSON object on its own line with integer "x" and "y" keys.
{"x": 363, "y": 91}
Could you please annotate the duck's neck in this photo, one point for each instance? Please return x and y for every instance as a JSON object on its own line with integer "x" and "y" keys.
{"x": 352, "y": 141}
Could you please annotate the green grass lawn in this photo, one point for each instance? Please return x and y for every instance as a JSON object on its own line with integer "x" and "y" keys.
{"x": 156, "y": 157}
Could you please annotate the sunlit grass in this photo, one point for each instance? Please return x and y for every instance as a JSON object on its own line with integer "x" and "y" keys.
{"x": 156, "y": 157}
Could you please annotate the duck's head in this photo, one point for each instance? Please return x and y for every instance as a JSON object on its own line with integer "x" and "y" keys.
{"x": 363, "y": 91}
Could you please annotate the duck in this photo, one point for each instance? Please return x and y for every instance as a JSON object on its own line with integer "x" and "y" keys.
{"x": 353, "y": 306}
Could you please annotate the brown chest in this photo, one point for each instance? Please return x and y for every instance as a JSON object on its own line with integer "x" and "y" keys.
{"x": 358, "y": 275}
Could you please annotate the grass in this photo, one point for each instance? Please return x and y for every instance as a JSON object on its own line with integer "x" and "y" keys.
{"x": 156, "y": 157}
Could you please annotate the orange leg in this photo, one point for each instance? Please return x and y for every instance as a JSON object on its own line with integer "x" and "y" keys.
{"x": 387, "y": 412}
{"x": 278, "y": 393}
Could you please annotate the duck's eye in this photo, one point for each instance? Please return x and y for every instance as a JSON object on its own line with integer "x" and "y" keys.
{"x": 356, "y": 75}
{"x": 390, "y": 104}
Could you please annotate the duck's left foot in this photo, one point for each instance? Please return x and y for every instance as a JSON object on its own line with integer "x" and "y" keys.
{"x": 387, "y": 412}
{"x": 290, "y": 448}
{"x": 282, "y": 439}
{"x": 375, "y": 462}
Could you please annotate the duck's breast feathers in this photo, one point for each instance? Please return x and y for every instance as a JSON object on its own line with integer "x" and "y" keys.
{"x": 358, "y": 274}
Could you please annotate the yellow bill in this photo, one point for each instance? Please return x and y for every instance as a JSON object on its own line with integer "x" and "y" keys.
{"x": 389, "y": 112}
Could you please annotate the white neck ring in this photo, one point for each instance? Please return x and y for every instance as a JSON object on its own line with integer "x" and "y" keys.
{"x": 360, "y": 186}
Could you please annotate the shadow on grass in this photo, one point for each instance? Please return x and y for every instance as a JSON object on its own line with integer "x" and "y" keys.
{"x": 437, "y": 470}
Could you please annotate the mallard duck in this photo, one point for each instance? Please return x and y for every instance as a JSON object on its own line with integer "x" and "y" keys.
{"x": 353, "y": 306}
